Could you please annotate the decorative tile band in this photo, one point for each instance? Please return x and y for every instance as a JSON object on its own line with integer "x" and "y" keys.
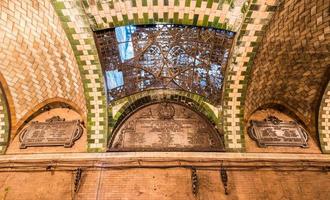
{"x": 258, "y": 14}
{"x": 324, "y": 121}
{"x": 80, "y": 35}
{"x": 4, "y": 122}
{"x": 225, "y": 14}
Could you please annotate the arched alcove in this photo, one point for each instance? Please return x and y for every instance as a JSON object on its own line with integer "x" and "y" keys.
{"x": 275, "y": 128}
{"x": 165, "y": 126}
{"x": 49, "y": 129}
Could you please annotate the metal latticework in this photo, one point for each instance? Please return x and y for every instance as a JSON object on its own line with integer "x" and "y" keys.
{"x": 137, "y": 58}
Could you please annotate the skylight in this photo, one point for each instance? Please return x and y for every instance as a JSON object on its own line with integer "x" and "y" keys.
{"x": 137, "y": 58}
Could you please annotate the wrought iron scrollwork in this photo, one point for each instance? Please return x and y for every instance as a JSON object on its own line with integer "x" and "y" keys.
{"x": 136, "y": 58}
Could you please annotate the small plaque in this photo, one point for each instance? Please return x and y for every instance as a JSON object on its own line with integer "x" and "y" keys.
{"x": 274, "y": 132}
{"x": 53, "y": 132}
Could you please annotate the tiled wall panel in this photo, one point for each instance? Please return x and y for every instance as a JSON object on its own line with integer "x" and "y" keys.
{"x": 37, "y": 61}
{"x": 75, "y": 23}
{"x": 293, "y": 62}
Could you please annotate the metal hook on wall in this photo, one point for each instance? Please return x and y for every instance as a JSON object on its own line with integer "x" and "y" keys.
{"x": 224, "y": 178}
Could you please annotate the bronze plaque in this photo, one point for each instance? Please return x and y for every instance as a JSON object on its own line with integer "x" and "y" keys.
{"x": 53, "y": 132}
{"x": 166, "y": 127}
{"x": 274, "y": 132}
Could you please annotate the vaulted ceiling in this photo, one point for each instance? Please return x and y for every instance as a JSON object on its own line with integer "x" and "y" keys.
{"x": 47, "y": 51}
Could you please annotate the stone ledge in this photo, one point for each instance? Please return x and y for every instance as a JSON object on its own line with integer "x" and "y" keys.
{"x": 232, "y": 161}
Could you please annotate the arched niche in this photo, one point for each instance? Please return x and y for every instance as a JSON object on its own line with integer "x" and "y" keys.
{"x": 273, "y": 114}
{"x": 56, "y": 110}
{"x": 165, "y": 126}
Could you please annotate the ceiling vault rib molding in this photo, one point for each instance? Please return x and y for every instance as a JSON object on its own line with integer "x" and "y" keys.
{"x": 4, "y": 122}
{"x": 80, "y": 35}
{"x": 257, "y": 17}
{"x": 224, "y": 14}
{"x": 324, "y": 121}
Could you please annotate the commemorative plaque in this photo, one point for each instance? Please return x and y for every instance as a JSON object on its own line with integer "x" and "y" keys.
{"x": 53, "y": 132}
{"x": 166, "y": 127}
{"x": 274, "y": 132}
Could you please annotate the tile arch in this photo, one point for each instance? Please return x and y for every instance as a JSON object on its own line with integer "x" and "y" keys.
{"x": 120, "y": 109}
{"x": 10, "y": 103}
{"x": 224, "y": 14}
{"x": 43, "y": 107}
{"x": 253, "y": 17}
{"x": 5, "y": 120}
{"x": 324, "y": 120}
{"x": 257, "y": 16}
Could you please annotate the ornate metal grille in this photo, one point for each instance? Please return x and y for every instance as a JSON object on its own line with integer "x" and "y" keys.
{"x": 136, "y": 58}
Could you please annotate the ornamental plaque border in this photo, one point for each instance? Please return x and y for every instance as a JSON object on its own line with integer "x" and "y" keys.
{"x": 274, "y": 123}
{"x": 73, "y": 133}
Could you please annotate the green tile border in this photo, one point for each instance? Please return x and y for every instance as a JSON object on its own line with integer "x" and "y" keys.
{"x": 5, "y": 127}
{"x": 323, "y": 132}
{"x": 71, "y": 14}
{"x": 140, "y": 17}
{"x": 236, "y": 83}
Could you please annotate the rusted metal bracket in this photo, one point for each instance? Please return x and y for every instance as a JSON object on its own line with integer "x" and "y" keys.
{"x": 224, "y": 179}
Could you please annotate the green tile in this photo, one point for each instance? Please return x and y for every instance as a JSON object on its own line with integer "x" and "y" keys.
{"x": 136, "y": 18}
{"x": 111, "y": 4}
{"x": 186, "y": 18}
{"x": 198, "y": 3}
{"x": 205, "y": 20}
{"x": 85, "y": 4}
{"x": 155, "y": 16}
{"x": 133, "y": 3}
{"x": 187, "y": 3}
{"x": 99, "y": 5}
{"x": 59, "y": 5}
{"x": 125, "y": 18}
{"x": 209, "y": 3}
{"x": 195, "y": 19}
{"x": 176, "y": 17}
{"x": 165, "y": 16}
{"x": 115, "y": 20}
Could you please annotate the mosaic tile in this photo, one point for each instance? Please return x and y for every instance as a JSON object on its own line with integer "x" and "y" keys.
{"x": 77, "y": 28}
{"x": 291, "y": 67}
{"x": 37, "y": 61}
{"x": 324, "y": 121}
{"x": 4, "y": 122}
{"x": 108, "y": 14}
{"x": 256, "y": 17}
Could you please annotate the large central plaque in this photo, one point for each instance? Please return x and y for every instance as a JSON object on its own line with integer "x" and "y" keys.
{"x": 53, "y": 132}
{"x": 166, "y": 127}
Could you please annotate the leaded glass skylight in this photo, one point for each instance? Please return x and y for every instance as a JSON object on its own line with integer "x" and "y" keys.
{"x": 138, "y": 58}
